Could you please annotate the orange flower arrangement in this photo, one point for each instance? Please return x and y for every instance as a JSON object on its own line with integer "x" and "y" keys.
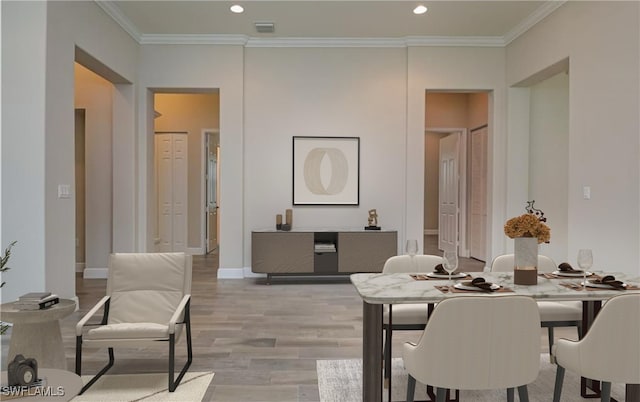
{"x": 530, "y": 224}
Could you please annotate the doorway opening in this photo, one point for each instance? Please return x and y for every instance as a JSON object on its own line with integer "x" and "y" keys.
{"x": 93, "y": 171}
{"x": 455, "y": 186}
{"x": 194, "y": 114}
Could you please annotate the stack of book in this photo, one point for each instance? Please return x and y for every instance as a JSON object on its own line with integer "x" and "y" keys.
{"x": 324, "y": 247}
{"x": 36, "y": 301}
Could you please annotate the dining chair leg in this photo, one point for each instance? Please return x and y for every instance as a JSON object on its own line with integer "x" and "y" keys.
{"x": 510, "y": 395}
{"x": 523, "y": 394}
{"x": 411, "y": 388}
{"x": 552, "y": 359}
{"x": 557, "y": 389}
{"x": 605, "y": 391}
{"x": 441, "y": 394}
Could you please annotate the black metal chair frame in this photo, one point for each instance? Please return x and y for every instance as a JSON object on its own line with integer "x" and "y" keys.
{"x": 172, "y": 384}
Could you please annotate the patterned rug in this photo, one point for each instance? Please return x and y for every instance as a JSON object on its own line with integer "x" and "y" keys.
{"x": 145, "y": 387}
{"x": 341, "y": 381}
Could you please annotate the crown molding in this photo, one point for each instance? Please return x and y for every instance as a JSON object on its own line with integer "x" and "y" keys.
{"x": 209, "y": 39}
{"x": 541, "y": 12}
{"x": 114, "y": 12}
{"x": 243, "y": 40}
{"x": 326, "y": 42}
{"x": 474, "y": 41}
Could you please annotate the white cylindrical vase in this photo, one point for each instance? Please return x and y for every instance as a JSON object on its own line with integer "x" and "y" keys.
{"x": 525, "y": 269}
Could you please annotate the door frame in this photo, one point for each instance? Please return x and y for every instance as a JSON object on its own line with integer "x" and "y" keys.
{"x": 203, "y": 195}
{"x": 486, "y": 186}
{"x": 463, "y": 249}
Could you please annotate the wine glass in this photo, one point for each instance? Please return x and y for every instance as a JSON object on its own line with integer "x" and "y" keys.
{"x": 585, "y": 261}
{"x": 450, "y": 262}
{"x": 411, "y": 247}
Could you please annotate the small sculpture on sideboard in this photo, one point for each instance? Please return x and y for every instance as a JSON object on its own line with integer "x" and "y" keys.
{"x": 373, "y": 220}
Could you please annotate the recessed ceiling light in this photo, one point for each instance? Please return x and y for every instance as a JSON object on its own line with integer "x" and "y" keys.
{"x": 236, "y": 8}
{"x": 420, "y": 9}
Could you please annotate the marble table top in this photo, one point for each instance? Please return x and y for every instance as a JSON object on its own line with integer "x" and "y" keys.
{"x": 401, "y": 288}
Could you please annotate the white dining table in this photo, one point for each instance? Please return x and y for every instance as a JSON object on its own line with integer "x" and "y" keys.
{"x": 377, "y": 289}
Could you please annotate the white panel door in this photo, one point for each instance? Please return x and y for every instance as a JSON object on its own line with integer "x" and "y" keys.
{"x": 448, "y": 198}
{"x": 478, "y": 196}
{"x": 179, "y": 193}
{"x": 164, "y": 189}
{"x": 171, "y": 154}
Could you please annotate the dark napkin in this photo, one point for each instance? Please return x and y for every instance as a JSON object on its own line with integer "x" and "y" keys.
{"x": 566, "y": 267}
{"x": 439, "y": 269}
{"x": 480, "y": 283}
{"x": 611, "y": 281}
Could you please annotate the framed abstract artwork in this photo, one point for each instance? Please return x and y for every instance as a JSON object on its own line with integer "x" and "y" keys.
{"x": 326, "y": 170}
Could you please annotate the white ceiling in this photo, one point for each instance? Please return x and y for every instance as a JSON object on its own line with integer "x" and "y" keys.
{"x": 329, "y": 19}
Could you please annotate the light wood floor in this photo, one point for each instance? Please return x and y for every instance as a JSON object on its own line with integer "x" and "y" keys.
{"x": 262, "y": 341}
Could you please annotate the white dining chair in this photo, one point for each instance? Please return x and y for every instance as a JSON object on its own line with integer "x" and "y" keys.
{"x": 552, "y": 313}
{"x": 609, "y": 351}
{"x": 477, "y": 343}
{"x": 405, "y": 316}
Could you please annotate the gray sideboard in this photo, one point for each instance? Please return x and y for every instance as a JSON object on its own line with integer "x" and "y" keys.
{"x": 310, "y": 252}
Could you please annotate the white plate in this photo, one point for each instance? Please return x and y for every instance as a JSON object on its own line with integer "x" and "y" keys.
{"x": 571, "y": 274}
{"x": 592, "y": 284}
{"x": 446, "y": 276}
{"x": 465, "y": 287}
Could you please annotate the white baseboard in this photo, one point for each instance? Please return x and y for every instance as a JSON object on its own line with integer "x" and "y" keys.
{"x": 80, "y": 266}
{"x": 429, "y": 232}
{"x": 248, "y": 273}
{"x": 230, "y": 273}
{"x": 195, "y": 251}
{"x": 95, "y": 273}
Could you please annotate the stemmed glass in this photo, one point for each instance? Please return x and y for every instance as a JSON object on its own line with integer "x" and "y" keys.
{"x": 412, "y": 247}
{"x": 585, "y": 261}
{"x": 450, "y": 262}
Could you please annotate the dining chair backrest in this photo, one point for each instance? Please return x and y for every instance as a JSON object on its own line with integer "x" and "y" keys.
{"x": 505, "y": 263}
{"x": 478, "y": 342}
{"x": 610, "y": 351}
{"x": 407, "y": 263}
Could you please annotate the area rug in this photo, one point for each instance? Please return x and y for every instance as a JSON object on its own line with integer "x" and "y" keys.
{"x": 145, "y": 387}
{"x": 341, "y": 381}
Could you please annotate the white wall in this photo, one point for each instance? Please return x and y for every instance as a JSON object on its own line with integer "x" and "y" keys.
{"x": 601, "y": 40}
{"x": 549, "y": 160}
{"x": 23, "y": 145}
{"x": 359, "y": 92}
{"x": 38, "y": 134}
{"x": 194, "y": 67}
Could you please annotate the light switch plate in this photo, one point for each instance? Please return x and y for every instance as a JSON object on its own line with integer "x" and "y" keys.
{"x": 64, "y": 191}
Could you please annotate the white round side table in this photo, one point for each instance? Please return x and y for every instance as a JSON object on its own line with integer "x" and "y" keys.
{"x": 58, "y": 386}
{"x": 36, "y": 333}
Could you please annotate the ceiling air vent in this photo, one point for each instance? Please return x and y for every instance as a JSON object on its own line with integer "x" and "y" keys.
{"x": 265, "y": 27}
